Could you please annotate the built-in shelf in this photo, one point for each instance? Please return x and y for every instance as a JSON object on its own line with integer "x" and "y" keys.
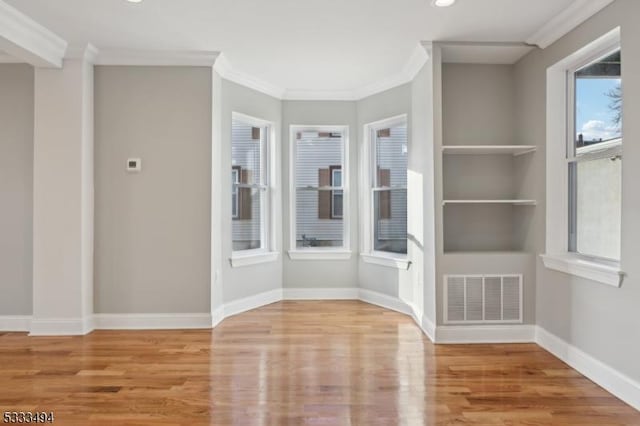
{"x": 515, "y": 150}
{"x": 512, "y": 202}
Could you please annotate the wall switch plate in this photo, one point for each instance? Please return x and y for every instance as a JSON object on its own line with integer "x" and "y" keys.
{"x": 134, "y": 165}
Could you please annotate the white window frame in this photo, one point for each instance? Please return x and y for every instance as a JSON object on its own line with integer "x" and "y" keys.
{"x": 333, "y": 195}
{"x": 367, "y": 200}
{"x": 235, "y": 179}
{"x": 268, "y": 251}
{"x": 560, "y": 127}
{"x": 319, "y": 253}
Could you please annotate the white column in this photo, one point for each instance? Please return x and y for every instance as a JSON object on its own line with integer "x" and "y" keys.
{"x": 63, "y": 198}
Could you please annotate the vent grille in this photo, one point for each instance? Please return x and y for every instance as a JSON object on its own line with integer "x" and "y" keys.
{"x": 482, "y": 299}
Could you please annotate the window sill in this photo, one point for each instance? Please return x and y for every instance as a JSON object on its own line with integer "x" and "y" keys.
{"x": 239, "y": 259}
{"x": 386, "y": 259}
{"x": 316, "y": 254}
{"x": 600, "y": 271}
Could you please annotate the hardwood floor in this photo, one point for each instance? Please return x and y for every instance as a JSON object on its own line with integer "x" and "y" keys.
{"x": 296, "y": 363}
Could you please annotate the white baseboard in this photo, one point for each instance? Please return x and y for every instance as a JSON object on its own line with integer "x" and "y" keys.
{"x": 61, "y": 326}
{"x": 152, "y": 321}
{"x": 610, "y": 379}
{"x": 469, "y": 334}
{"x": 347, "y": 293}
{"x": 384, "y": 301}
{"x": 239, "y": 306}
{"x": 217, "y": 316}
{"x": 15, "y": 323}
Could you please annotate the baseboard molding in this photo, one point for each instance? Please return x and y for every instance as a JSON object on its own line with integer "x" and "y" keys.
{"x": 470, "y": 334}
{"x": 15, "y": 323}
{"x": 252, "y": 302}
{"x": 152, "y": 321}
{"x": 384, "y": 301}
{"x": 217, "y": 316}
{"x": 600, "y": 373}
{"x": 338, "y": 293}
{"x": 61, "y": 326}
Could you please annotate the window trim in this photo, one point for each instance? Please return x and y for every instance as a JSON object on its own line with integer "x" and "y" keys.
{"x": 319, "y": 253}
{"x": 268, "y": 251}
{"x": 368, "y": 178}
{"x": 559, "y": 119}
{"x": 333, "y": 170}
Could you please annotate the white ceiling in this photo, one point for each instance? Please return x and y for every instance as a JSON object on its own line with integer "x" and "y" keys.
{"x": 319, "y": 45}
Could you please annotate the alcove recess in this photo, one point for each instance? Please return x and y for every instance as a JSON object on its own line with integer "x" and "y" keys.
{"x": 486, "y": 196}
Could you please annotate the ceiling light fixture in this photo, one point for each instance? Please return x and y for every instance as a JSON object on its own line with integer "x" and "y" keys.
{"x": 443, "y": 3}
{"x": 134, "y": 1}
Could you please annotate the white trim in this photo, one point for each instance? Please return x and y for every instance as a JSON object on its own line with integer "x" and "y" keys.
{"x": 61, "y": 326}
{"x": 414, "y": 64}
{"x": 245, "y": 304}
{"x": 224, "y": 68}
{"x": 15, "y": 323}
{"x": 217, "y": 316}
{"x": 27, "y": 40}
{"x": 470, "y": 334}
{"x": 386, "y": 259}
{"x": 88, "y": 53}
{"x": 135, "y": 57}
{"x": 602, "y": 272}
{"x": 387, "y": 302}
{"x": 515, "y": 150}
{"x": 346, "y": 293}
{"x": 252, "y": 257}
{"x": 512, "y": 202}
{"x": 317, "y": 254}
{"x": 152, "y": 321}
{"x": 602, "y": 374}
{"x": 562, "y": 23}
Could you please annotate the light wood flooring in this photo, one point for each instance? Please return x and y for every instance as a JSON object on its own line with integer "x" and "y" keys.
{"x": 296, "y": 363}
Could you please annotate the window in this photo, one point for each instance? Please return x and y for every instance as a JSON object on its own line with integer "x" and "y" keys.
{"x": 584, "y": 162}
{"x": 250, "y": 188}
{"x": 595, "y": 157}
{"x": 319, "y": 189}
{"x": 387, "y": 187}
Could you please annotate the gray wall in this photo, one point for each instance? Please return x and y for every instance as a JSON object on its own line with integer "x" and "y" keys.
{"x": 250, "y": 280}
{"x": 152, "y": 230}
{"x": 602, "y": 321}
{"x": 378, "y": 107}
{"x": 16, "y": 188}
{"x": 479, "y": 108}
{"x": 317, "y": 273}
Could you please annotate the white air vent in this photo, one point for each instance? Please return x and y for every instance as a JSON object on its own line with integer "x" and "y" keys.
{"x": 482, "y": 299}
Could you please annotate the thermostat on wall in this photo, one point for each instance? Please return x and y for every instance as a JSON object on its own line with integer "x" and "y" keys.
{"x": 134, "y": 165}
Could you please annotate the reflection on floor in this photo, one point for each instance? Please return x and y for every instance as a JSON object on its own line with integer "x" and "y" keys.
{"x": 296, "y": 363}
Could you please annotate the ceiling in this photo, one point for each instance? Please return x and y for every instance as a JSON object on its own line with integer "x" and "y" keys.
{"x": 319, "y": 45}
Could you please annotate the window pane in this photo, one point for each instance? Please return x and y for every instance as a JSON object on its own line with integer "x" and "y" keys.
{"x": 247, "y": 229}
{"x": 391, "y": 156}
{"x": 247, "y": 148}
{"x": 390, "y": 220}
{"x": 599, "y": 207}
{"x": 598, "y": 102}
{"x": 390, "y": 205}
{"x": 313, "y": 227}
{"x": 319, "y": 161}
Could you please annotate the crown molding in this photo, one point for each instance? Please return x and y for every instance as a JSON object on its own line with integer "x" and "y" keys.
{"x": 574, "y": 15}
{"x": 225, "y": 70}
{"x": 28, "y": 41}
{"x": 88, "y": 53}
{"x": 415, "y": 63}
{"x": 135, "y": 57}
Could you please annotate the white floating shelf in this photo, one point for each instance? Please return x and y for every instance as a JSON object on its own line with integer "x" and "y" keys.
{"x": 512, "y": 202}
{"x": 515, "y": 150}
